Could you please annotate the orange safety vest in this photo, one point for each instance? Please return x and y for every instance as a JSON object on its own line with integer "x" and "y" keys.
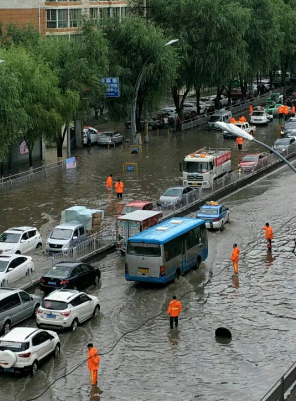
{"x": 250, "y": 109}
{"x": 286, "y": 110}
{"x": 242, "y": 119}
{"x": 109, "y": 182}
{"x": 175, "y": 308}
{"x": 119, "y": 187}
{"x": 268, "y": 232}
{"x": 239, "y": 140}
{"x": 281, "y": 109}
{"x": 232, "y": 120}
{"x": 235, "y": 254}
{"x": 94, "y": 359}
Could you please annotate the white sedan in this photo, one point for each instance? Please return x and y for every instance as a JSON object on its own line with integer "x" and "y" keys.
{"x": 13, "y": 267}
{"x": 20, "y": 240}
{"x": 90, "y": 136}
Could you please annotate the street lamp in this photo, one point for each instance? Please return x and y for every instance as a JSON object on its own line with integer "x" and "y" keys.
{"x": 135, "y": 96}
{"x": 233, "y": 129}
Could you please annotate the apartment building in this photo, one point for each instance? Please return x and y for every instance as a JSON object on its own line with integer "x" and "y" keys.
{"x": 59, "y": 17}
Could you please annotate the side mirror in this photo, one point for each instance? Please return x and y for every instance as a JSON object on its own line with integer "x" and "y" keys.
{"x": 10, "y": 269}
{"x": 75, "y": 237}
{"x": 23, "y": 240}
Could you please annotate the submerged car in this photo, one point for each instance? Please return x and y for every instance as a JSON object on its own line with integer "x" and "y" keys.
{"x": 136, "y": 205}
{"x": 13, "y": 267}
{"x": 285, "y": 145}
{"x": 215, "y": 214}
{"x": 253, "y": 162}
{"x": 20, "y": 240}
{"x": 290, "y": 127}
{"x": 110, "y": 138}
{"x": 260, "y": 117}
{"x": 175, "y": 196}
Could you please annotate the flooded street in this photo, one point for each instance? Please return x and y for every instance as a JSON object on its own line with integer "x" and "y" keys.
{"x": 155, "y": 363}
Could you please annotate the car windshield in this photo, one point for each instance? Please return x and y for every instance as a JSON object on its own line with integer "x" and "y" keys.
{"x": 143, "y": 249}
{"x": 208, "y": 211}
{"x": 250, "y": 158}
{"x": 258, "y": 113}
{"x": 173, "y": 192}
{"x": 10, "y": 238}
{"x": 196, "y": 167}
{"x": 59, "y": 271}
{"x": 13, "y": 346}
{"x": 129, "y": 209}
{"x": 282, "y": 142}
{"x": 54, "y": 305}
{"x": 3, "y": 265}
{"x": 214, "y": 118}
{"x": 60, "y": 233}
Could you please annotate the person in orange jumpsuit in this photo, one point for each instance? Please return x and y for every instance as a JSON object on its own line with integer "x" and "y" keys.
{"x": 109, "y": 182}
{"x": 93, "y": 363}
{"x": 119, "y": 189}
{"x": 293, "y": 111}
{"x": 174, "y": 310}
{"x": 268, "y": 234}
{"x": 286, "y": 112}
{"x": 239, "y": 141}
{"x": 232, "y": 120}
{"x": 234, "y": 258}
{"x": 250, "y": 110}
{"x": 242, "y": 119}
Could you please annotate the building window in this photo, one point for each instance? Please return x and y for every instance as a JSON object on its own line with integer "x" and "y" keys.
{"x": 124, "y": 12}
{"x": 94, "y": 14}
{"x": 75, "y": 18}
{"x": 115, "y": 12}
{"x": 57, "y": 18}
{"x": 104, "y": 13}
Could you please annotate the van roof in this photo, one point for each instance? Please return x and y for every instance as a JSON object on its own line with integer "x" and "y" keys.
{"x": 167, "y": 230}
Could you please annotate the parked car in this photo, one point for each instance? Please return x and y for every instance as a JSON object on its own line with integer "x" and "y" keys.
{"x": 75, "y": 275}
{"x": 260, "y": 117}
{"x": 221, "y": 115}
{"x": 176, "y": 196}
{"x": 110, "y": 138}
{"x": 290, "y": 127}
{"x": 13, "y": 267}
{"x": 65, "y": 236}
{"x": 136, "y": 205}
{"x": 285, "y": 145}
{"x": 23, "y": 348}
{"x": 20, "y": 240}
{"x": 64, "y": 309}
{"x": 273, "y": 109}
{"x": 215, "y": 214}
{"x": 153, "y": 123}
{"x": 253, "y": 162}
{"x": 16, "y": 305}
{"x": 190, "y": 108}
{"x": 90, "y": 136}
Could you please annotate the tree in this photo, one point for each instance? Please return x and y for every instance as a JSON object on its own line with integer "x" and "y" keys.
{"x": 132, "y": 43}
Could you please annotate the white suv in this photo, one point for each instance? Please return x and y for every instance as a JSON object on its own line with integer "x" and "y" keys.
{"x": 23, "y": 348}
{"x": 66, "y": 309}
{"x": 20, "y": 240}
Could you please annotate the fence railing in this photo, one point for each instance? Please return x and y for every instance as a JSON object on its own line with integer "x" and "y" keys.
{"x": 277, "y": 392}
{"x": 29, "y": 175}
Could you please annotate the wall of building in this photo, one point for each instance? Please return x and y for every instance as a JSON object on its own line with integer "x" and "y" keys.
{"x": 15, "y": 158}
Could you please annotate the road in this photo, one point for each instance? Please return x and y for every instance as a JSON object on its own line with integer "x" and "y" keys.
{"x": 155, "y": 363}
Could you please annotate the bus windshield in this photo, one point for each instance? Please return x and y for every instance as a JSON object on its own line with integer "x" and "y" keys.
{"x": 143, "y": 249}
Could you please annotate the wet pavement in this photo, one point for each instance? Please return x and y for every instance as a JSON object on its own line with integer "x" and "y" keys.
{"x": 156, "y": 363}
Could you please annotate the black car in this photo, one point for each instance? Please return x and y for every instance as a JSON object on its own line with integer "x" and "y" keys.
{"x": 75, "y": 275}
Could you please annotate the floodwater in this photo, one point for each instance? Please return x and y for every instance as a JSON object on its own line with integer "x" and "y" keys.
{"x": 156, "y": 363}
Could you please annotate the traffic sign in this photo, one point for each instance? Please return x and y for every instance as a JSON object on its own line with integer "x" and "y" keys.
{"x": 112, "y": 86}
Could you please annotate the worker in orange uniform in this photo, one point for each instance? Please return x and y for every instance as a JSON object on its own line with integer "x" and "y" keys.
{"x": 286, "y": 112}
{"x": 232, "y": 120}
{"x": 109, "y": 182}
{"x": 119, "y": 189}
{"x": 281, "y": 112}
{"x": 174, "y": 310}
{"x": 239, "y": 141}
{"x": 293, "y": 111}
{"x": 250, "y": 110}
{"x": 93, "y": 362}
{"x": 268, "y": 234}
{"x": 242, "y": 119}
{"x": 234, "y": 258}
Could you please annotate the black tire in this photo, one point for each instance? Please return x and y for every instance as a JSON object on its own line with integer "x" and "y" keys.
{"x": 39, "y": 245}
{"x": 222, "y": 226}
{"x": 7, "y": 326}
{"x": 57, "y": 351}
{"x": 34, "y": 368}
{"x": 35, "y": 310}
{"x": 96, "y": 312}
{"x": 197, "y": 264}
{"x": 74, "y": 325}
{"x": 177, "y": 275}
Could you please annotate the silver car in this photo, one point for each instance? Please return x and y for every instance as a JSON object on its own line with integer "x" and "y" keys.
{"x": 65, "y": 236}
{"x": 110, "y": 138}
{"x": 177, "y": 196}
{"x": 285, "y": 145}
{"x": 16, "y": 305}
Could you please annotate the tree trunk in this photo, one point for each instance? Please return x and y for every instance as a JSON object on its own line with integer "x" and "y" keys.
{"x": 139, "y": 113}
{"x": 175, "y": 94}
{"x": 30, "y": 158}
{"x": 197, "y": 94}
{"x": 60, "y": 142}
{"x": 182, "y": 103}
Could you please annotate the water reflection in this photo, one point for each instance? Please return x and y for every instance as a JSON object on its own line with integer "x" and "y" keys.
{"x": 174, "y": 337}
{"x": 95, "y": 393}
{"x": 269, "y": 259}
{"x": 235, "y": 281}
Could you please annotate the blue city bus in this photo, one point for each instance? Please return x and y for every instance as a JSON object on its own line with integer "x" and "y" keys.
{"x": 166, "y": 251}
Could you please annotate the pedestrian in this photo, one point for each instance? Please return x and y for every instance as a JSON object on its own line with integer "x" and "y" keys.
{"x": 286, "y": 112}
{"x": 166, "y": 122}
{"x": 174, "y": 310}
{"x": 232, "y": 120}
{"x": 242, "y": 119}
{"x": 93, "y": 362}
{"x": 234, "y": 258}
{"x": 250, "y": 110}
{"x": 239, "y": 141}
{"x": 268, "y": 234}
{"x": 293, "y": 111}
{"x": 109, "y": 182}
{"x": 119, "y": 189}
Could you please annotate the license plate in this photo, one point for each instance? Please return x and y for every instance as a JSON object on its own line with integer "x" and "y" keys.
{"x": 51, "y": 283}
{"x": 194, "y": 183}
{"x": 143, "y": 270}
{"x": 49, "y": 316}
{"x": 8, "y": 369}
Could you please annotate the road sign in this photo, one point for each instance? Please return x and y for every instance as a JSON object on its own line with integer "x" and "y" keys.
{"x": 71, "y": 163}
{"x": 112, "y": 86}
{"x": 130, "y": 167}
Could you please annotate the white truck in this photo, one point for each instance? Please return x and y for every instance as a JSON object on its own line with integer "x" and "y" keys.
{"x": 250, "y": 129}
{"x": 202, "y": 167}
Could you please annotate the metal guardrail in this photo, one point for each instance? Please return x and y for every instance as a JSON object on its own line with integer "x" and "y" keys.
{"x": 278, "y": 390}
{"x": 29, "y": 175}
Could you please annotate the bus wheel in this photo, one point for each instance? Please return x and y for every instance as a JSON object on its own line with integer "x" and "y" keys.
{"x": 177, "y": 275}
{"x": 198, "y": 262}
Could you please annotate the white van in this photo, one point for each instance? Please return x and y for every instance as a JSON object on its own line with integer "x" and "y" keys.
{"x": 221, "y": 115}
